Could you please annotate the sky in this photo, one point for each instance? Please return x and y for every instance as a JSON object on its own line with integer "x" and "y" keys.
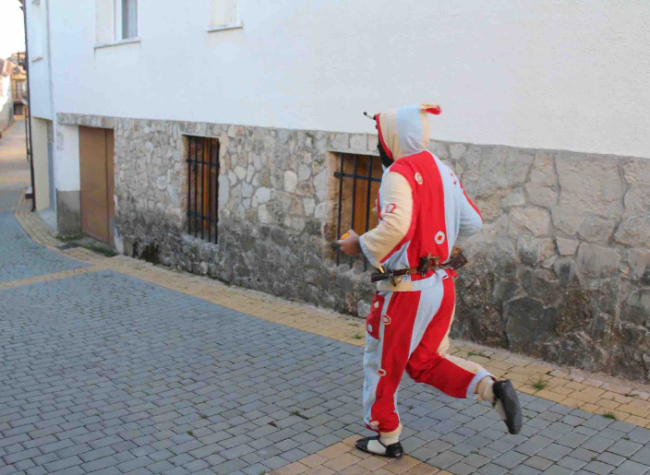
{"x": 12, "y": 36}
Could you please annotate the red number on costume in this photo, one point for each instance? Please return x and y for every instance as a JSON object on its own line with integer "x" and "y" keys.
{"x": 390, "y": 208}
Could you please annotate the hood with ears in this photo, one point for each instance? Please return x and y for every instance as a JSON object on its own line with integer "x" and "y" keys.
{"x": 405, "y": 131}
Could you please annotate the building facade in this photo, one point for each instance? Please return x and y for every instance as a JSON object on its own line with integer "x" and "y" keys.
{"x": 18, "y": 77}
{"x": 250, "y": 155}
{"x": 6, "y": 95}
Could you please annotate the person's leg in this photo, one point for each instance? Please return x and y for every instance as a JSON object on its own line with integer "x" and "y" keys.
{"x": 454, "y": 376}
{"x": 429, "y": 362}
{"x": 389, "y": 331}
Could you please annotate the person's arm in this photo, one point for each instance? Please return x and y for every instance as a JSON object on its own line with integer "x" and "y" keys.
{"x": 471, "y": 220}
{"x": 396, "y": 214}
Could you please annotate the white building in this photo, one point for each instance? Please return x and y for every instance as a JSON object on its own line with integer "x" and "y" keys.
{"x": 543, "y": 104}
{"x": 6, "y": 97}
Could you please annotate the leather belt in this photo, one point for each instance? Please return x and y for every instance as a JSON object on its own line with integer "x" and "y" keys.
{"x": 427, "y": 263}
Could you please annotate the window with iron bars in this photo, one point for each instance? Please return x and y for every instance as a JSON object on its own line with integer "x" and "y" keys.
{"x": 203, "y": 187}
{"x": 359, "y": 177}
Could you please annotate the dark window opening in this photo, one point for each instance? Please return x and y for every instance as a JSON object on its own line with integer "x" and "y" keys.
{"x": 359, "y": 177}
{"x": 203, "y": 187}
{"x": 129, "y": 19}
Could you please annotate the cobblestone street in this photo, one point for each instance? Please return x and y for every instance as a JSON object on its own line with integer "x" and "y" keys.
{"x": 106, "y": 373}
{"x": 112, "y": 366}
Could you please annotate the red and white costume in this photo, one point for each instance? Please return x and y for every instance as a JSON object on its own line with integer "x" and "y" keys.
{"x": 423, "y": 209}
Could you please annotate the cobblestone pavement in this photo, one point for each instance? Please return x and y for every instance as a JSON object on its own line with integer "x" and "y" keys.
{"x": 107, "y": 373}
{"x": 20, "y": 257}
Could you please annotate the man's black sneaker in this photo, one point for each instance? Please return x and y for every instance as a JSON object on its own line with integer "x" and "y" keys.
{"x": 393, "y": 451}
{"x": 505, "y": 393}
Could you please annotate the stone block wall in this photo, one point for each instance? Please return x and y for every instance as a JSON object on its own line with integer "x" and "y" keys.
{"x": 559, "y": 271}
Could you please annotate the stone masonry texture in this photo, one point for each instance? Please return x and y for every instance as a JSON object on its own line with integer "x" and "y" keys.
{"x": 560, "y": 270}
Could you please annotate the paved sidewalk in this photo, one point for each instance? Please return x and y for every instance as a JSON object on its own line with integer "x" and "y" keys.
{"x": 122, "y": 367}
{"x": 14, "y": 168}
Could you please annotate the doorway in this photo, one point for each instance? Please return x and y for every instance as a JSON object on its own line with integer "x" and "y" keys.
{"x": 96, "y": 149}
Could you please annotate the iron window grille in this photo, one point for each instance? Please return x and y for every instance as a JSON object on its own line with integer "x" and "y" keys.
{"x": 203, "y": 187}
{"x": 359, "y": 177}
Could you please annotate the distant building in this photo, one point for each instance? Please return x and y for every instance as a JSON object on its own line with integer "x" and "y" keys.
{"x": 18, "y": 82}
{"x": 13, "y": 88}
{"x": 6, "y": 96}
{"x": 248, "y": 159}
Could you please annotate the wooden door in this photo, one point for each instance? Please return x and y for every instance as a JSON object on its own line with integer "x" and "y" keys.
{"x": 96, "y": 162}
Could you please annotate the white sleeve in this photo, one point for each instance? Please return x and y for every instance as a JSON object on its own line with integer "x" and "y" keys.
{"x": 396, "y": 215}
{"x": 471, "y": 220}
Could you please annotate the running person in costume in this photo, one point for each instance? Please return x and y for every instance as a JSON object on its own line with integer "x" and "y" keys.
{"x": 423, "y": 209}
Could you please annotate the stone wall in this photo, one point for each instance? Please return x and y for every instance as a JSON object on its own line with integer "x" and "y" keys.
{"x": 560, "y": 269}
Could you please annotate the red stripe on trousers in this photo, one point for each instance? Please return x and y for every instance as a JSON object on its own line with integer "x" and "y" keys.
{"x": 402, "y": 310}
{"x": 426, "y": 365}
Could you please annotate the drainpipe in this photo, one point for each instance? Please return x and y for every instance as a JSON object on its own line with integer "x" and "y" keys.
{"x": 52, "y": 190}
{"x": 30, "y": 149}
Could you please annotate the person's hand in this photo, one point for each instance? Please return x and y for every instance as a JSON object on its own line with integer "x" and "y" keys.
{"x": 350, "y": 245}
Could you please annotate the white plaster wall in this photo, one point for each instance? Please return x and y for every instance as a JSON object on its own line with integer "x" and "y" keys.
{"x": 568, "y": 74}
{"x": 5, "y": 90}
{"x": 41, "y": 177}
{"x": 66, "y": 164}
{"x": 39, "y": 75}
{"x": 6, "y": 115}
{"x": 6, "y": 103}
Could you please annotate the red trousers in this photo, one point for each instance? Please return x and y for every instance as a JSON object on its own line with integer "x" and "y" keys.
{"x": 409, "y": 331}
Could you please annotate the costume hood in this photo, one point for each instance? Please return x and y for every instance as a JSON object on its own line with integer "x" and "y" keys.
{"x": 405, "y": 131}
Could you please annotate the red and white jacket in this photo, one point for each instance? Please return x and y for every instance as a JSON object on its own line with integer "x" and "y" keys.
{"x": 422, "y": 205}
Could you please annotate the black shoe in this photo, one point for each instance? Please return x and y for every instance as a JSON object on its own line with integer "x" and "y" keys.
{"x": 393, "y": 451}
{"x": 506, "y": 394}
